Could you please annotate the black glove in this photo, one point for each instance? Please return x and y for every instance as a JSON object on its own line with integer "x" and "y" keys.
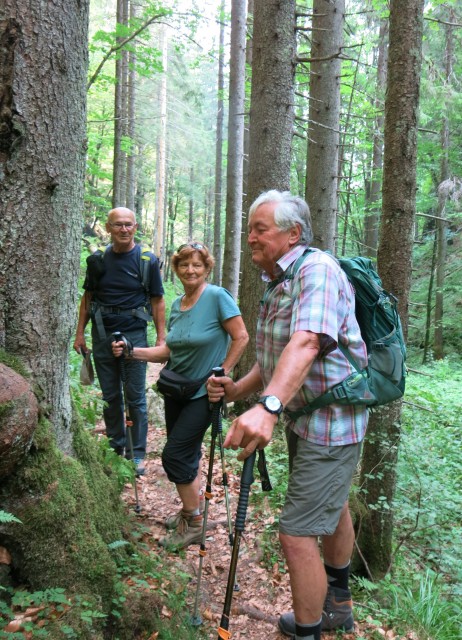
{"x": 128, "y": 349}
{"x": 117, "y": 336}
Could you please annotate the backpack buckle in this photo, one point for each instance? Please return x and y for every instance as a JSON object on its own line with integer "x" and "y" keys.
{"x": 339, "y": 392}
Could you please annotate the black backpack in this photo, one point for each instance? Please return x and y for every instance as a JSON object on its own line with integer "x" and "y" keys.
{"x": 96, "y": 267}
{"x": 383, "y": 380}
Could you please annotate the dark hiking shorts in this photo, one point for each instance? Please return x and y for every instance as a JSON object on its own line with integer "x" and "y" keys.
{"x": 319, "y": 483}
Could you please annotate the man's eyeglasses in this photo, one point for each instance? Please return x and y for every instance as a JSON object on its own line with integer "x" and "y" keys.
{"x": 194, "y": 245}
{"x": 121, "y": 225}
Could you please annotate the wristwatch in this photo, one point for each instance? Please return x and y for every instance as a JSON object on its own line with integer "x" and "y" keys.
{"x": 272, "y": 404}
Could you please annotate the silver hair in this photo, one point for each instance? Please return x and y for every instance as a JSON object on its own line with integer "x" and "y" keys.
{"x": 290, "y": 210}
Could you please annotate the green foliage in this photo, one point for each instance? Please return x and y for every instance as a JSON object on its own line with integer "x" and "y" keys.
{"x": 87, "y": 399}
{"x": 417, "y": 603}
{"x": 451, "y": 294}
{"x": 428, "y": 501}
{"x": 7, "y": 517}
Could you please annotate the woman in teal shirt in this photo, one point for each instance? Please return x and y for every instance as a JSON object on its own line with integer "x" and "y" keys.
{"x": 205, "y": 330}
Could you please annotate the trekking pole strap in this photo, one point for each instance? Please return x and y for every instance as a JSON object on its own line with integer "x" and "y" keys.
{"x": 263, "y": 471}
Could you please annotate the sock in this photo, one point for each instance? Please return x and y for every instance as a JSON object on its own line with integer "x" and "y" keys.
{"x": 337, "y": 576}
{"x": 308, "y": 631}
{"x": 196, "y": 512}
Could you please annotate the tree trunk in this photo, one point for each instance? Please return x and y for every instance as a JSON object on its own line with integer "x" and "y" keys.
{"x": 324, "y": 117}
{"x": 234, "y": 176}
{"x": 219, "y": 151}
{"x": 191, "y": 207}
{"x": 119, "y": 160}
{"x": 271, "y": 127}
{"x": 371, "y": 222}
{"x": 245, "y": 166}
{"x": 131, "y": 112}
{"x": 161, "y": 164}
{"x": 443, "y": 193}
{"x": 57, "y": 488}
{"x": 429, "y": 304}
{"x": 378, "y": 471}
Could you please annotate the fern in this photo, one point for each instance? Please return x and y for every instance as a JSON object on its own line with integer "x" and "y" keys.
{"x": 6, "y": 518}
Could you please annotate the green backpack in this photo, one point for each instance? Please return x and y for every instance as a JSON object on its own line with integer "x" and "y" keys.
{"x": 383, "y": 380}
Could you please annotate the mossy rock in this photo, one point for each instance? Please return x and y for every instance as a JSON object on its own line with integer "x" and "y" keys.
{"x": 18, "y": 418}
{"x": 70, "y": 510}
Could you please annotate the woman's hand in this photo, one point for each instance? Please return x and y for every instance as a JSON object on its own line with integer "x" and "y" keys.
{"x": 219, "y": 387}
{"x": 118, "y": 348}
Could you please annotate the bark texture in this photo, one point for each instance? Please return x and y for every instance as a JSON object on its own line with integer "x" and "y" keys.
{"x": 371, "y": 222}
{"x": 60, "y": 490}
{"x": 41, "y": 192}
{"x": 234, "y": 171}
{"x": 271, "y": 128}
{"x": 324, "y": 117}
{"x": 378, "y": 472}
{"x": 219, "y": 152}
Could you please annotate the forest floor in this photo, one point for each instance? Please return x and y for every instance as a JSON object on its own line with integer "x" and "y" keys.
{"x": 264, "y": 593}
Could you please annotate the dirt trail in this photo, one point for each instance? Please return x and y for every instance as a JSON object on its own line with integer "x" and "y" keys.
{"x": 263, "y": 594}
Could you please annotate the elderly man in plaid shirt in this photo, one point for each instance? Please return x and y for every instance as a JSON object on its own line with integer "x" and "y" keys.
{"x": 302, "y": 317}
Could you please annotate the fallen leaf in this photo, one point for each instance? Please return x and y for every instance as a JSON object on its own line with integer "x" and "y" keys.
{"x": 5, "y": 557}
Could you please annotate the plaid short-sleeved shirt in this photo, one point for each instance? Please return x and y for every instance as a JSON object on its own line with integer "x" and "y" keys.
{"x": 319, "y": 299}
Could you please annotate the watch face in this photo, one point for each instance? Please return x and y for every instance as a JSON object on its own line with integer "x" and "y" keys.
{"x": 273, "y": 403}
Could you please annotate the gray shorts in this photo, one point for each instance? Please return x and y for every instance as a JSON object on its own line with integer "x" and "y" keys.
{"x": 319, "y": 483}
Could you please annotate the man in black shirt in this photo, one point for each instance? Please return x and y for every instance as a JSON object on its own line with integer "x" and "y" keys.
{"x": 116, "y": 299}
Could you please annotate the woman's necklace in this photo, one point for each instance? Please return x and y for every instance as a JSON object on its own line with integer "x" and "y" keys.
{"x": 188, "y": 301}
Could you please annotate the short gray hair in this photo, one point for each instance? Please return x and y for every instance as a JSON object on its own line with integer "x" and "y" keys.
{"x": 290, "y": 210}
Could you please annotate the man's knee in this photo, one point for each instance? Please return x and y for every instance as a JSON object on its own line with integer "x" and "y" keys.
{"x": 293, "y": 546}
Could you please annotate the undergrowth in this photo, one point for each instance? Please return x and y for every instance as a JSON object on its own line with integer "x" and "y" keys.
{"x": 422, "y": 593}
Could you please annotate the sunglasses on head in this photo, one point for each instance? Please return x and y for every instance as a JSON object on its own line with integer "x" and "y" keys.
{"x": 194, "y": 245}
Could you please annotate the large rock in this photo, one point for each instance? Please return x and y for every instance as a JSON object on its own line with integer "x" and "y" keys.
{"x": 155, "y": 402}
{"x": 18, "y": 418}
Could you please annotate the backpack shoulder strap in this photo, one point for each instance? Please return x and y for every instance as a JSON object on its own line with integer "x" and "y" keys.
{"x": 145, "y": 267}
{"x": 289, "y": 274}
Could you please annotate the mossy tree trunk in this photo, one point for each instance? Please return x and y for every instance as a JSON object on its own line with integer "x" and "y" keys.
{"x": 68, "y": 506}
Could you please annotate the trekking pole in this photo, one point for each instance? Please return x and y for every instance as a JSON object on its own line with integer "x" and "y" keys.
{"x": 196, "y": 618}
{"x": 219, "y": 371}
{"x": 246, "y": 482}
{"x": 117, "y": 335}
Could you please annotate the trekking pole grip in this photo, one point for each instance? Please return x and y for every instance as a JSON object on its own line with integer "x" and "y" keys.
{"x": 247, "y": 479}
{"x": 216, "y": 406}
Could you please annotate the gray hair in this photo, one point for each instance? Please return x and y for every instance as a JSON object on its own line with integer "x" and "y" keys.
{"x": 290, "y": 210}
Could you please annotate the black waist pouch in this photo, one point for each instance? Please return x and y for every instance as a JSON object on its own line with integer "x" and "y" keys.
{"x": 176, "y": 386}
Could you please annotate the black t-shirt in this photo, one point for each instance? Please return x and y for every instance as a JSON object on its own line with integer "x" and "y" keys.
{"x": 121, "y": 286}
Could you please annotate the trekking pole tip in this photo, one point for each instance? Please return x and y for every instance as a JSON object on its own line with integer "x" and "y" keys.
{"x": 195, "y": 621}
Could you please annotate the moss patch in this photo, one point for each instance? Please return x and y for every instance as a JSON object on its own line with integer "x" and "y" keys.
{"x": 14, "y": 363}
{"x": 70, "y": 509}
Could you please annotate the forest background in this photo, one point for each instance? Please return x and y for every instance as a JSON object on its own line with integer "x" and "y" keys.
{"x": 192, "y": 110}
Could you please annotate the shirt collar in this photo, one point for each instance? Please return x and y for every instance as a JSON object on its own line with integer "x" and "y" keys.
{"x": 285, "y": 261}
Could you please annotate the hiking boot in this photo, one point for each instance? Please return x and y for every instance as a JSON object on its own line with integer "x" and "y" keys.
{"x": 173, "y": 521}
{"x": 139, "y": 464}
{"x": 338, "y": 610}
{"x": 188, "y": 531}
{"x": 337, "y": 613}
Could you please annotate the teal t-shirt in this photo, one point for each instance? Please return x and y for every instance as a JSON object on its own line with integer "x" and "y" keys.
{"x": 196, "y": 338}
